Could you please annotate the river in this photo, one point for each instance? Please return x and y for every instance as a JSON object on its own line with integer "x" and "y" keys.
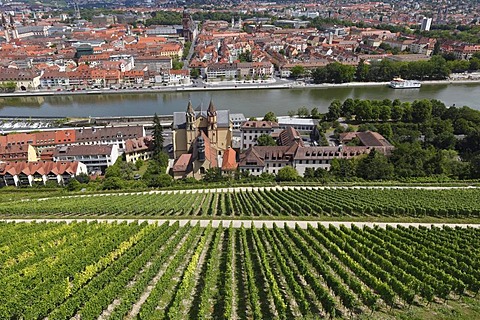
{"x": 249, "y": 102}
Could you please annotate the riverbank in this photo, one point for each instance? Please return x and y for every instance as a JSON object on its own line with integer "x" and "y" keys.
{"x": 218, "y": 86}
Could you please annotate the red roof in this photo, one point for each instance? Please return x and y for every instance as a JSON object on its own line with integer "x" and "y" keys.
{"x": 40, "y": 167}
{"x": 229, "y": 160}
{"x": 182, "y": 163}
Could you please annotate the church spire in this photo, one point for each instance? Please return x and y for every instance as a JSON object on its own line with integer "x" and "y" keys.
{"x": 190, "y": 108}
{"x": 211, "y": 109}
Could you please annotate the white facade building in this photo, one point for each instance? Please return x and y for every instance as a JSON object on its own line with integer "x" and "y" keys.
{"x": 251, "y": 130}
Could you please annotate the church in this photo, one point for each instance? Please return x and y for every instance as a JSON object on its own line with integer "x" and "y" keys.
{"x": 200, "y": 138}
{"x": 188, "y": 126}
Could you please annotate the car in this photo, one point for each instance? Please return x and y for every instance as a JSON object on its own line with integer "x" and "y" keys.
{"x": 137, "y": 177}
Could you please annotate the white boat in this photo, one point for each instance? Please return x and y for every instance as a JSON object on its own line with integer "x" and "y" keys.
{"x": 399, "y": 83}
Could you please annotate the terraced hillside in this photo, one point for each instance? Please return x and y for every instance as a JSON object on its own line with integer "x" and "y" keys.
{"x": 132, "y": 271}
{"x": 295, "y": 202}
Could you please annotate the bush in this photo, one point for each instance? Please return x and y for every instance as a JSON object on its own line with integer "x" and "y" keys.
{"x": 112, "y": 183}
{"x": 139, "y": 163}
{"x": 287, "y": 173}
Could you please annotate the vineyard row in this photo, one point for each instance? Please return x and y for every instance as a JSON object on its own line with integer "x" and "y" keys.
{"x": 314, "y": 203}
{"x": 141, "y": 271}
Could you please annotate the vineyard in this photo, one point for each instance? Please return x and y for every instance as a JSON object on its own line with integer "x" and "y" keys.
{"x": 139, "y": 271}
{"x": 263, "y": 202}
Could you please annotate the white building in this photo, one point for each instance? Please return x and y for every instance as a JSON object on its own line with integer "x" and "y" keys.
{"x": 237, "y": 120}
{"x": 108, "y": 135}
{"x": 251, "y": 130}
{"x": 300, "y": 124}
{"x": 426, "y": 24}
{"x": 95, "y": 157}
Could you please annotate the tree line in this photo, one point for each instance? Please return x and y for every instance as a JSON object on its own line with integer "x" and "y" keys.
{"x": 436, "y": 68}
{"x": 430, "y": 138}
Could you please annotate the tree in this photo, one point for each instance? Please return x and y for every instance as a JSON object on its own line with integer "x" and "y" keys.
{"x": 160, "y": 181}
{"x": 266, "y": 140}
{"x": 157, "y": 135}
{"x": 309, "y": 173}
{"x": 177, "y": 65}
{"x": 375, "y": 166}
{"x": 361, "y": 73}
{"x": 213, "y": 175}
{"x": 195, "y": 73}
{"x": 82, "y": 178}
{"x": 348, "y": 108}
{"x": 270, "y": 116}
{"x": 334, "y": 110}
{"x": 297, "y": 71}
{"x": 303, "y": 112}
{"x": 113, "y": 183}
{"x": 343, "y": 168}
{"x": 73, "y": 185}
{"x": 334, "y": 73}
{"x": 287, "y": 173}
{"x": 314, "y": 113}
{"x": 252, "y": 119}
{"x": 8, "y": 86}
{"x": 385, "y": 113}
{"x": 421, "y": 110}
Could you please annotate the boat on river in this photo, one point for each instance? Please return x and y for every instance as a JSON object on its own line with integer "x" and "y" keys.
{"x": 399, "y": 83}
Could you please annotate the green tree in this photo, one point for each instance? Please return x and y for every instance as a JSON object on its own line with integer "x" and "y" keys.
{"x": 348, "y": 108}
{"x": 270, "y": 116}
{"x": 73, "y": 185}
{"x": 213, "y": 175}
{"x": 195, "y": 73}
{"x": 266, "y": 140}
{"x": 177, "y": 65}
{"x": 361, "y": 74}
{"x": 287, "y": 173}
{"x": 112, "y": 183}
{"x": 385, "y": 113}
{"x": 157, "y": 135}
{"x": 343, "y": 168}
{"x": 82, "y": 178}
{"x": 160, "y": 181}
{"x": 309, "y": 173}
{"x": 8, "y": 86}
{"x": 303, "y": 112}
{"x": 314, "y": 113}
{"x": 374, "y": 166}
{"x": 421, "y": 110}
{"x": 334, "y": 110}
{"x": 297, "y": 71}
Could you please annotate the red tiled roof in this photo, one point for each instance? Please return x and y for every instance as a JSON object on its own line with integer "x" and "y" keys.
{"x": 229, "y": 160}
{"x": 40, "y": 167}
{"x": 182, "y": 163}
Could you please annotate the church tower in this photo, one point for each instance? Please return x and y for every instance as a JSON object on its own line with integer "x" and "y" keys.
{"x": 13, "y": 28}
{"x": 212, "y": 122}
{"x": 190, "y": 127}
{"x": 6, "y": 28}
{"x": 187, "y": 25}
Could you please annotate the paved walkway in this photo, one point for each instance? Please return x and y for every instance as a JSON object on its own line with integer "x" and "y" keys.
{"x": 248, "y": 223}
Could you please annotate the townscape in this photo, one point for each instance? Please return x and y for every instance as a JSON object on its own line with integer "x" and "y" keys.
{"x": 362, "y": 207}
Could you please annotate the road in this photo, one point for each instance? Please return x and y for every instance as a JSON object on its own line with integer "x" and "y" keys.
{"x": 248, "y": 223}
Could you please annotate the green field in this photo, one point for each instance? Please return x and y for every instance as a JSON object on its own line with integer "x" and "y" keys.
{"x": 390, "y": 204}
{"x": 131, "y": 271}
